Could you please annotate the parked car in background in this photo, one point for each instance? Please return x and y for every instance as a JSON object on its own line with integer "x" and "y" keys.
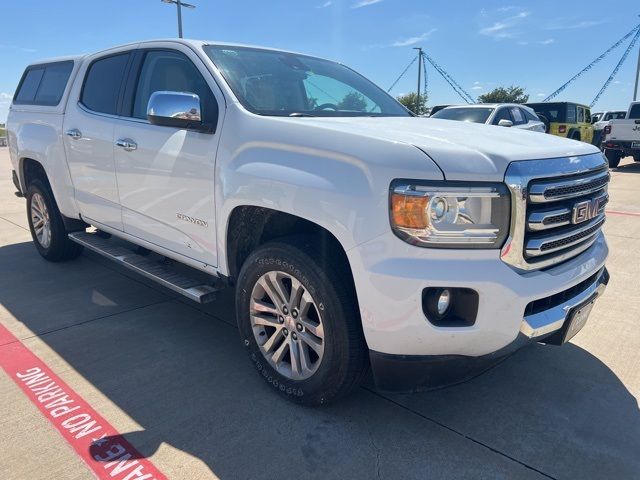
{"x": 600, "y": 119}
{"x": 358, "y": 237}
{"x": 501, "y": 114}
{"x": 566, "y": 119}
{"x": 436, "y": 108}
{"x": 622, "y": 136}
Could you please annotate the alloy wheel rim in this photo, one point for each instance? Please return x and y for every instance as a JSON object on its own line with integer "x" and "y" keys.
{"x": 287, "y": 325}
{"x": 40, "y": 220}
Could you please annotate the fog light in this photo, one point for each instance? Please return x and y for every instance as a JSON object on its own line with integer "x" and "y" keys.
{"x": 444, "y": 300}
{"x": 450, "y": 306}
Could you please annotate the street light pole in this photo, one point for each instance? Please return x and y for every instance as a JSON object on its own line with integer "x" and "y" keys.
{"x": 179, "y": 4}
{"x": 418, "y": 102}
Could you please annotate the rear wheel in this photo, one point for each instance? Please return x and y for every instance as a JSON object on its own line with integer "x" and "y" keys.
{"x": 47, "y": 225}
{"x": 298, "y": 317}
{"x": 613, "y": 156}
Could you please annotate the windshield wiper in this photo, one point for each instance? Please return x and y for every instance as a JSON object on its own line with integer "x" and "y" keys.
{"x": 299, "y": 114}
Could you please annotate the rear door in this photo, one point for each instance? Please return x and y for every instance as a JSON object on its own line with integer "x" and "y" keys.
{"x": 88, "y": 137}
{"x": 167, "y": 183}
{"x": 519, "y": 121}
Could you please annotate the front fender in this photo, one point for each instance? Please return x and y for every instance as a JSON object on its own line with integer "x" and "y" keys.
{"x": 338, "y": 181}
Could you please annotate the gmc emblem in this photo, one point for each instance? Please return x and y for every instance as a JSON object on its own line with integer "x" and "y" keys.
{"x": 586, "y": 210}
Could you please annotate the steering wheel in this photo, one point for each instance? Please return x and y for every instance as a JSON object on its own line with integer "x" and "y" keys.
{"x": 326, "y": 106}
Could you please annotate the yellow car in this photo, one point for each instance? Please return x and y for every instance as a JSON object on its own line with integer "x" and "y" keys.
{"x": 565, "y": 119}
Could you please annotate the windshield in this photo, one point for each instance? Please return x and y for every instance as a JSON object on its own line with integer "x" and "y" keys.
{"x": 615, "y": 115}
{"x": 477, "y": 114}
{"x": 270, "y": 82}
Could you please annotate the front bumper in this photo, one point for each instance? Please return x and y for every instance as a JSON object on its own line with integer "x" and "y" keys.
{"x": 409, "y": 373}
{"x": 390, "y": 276}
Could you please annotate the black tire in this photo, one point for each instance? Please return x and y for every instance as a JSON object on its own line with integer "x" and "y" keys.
{"x": 613, "y": 156}
{"x": 345, "y": 359}
{"x": 59, "y": 248}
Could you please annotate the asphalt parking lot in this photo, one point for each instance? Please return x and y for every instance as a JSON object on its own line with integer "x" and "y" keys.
{"x": 173, "y": 379}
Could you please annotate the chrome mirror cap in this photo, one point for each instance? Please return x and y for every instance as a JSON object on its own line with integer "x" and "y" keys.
{"x": 175, "y": 109}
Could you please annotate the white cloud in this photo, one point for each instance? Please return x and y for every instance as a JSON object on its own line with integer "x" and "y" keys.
{"x": 15, "y": 47}
{"x": 503, "y": 28}
{"x": 541, "y": 94}
{"x": 326, "y": 4}
{"x": 561, "y": 25}
{"x": 548, "y": 41}
{"x": 476, "y": 87}
{"x": 5, "y": 101}
{"x": 508, "y": 8}
{"x": 365, "y": 3}
{"x": 413, "y": 40}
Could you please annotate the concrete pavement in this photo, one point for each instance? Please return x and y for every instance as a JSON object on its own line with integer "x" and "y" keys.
{"x": 173, "y": 378}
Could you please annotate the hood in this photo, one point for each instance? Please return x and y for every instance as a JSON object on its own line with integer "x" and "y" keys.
{"x": 463, "y": 150}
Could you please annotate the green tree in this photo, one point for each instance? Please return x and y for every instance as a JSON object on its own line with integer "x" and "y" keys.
{"x": 410, "y": 100}
{"x": 354, "y": 102}
{"x": 510, "y": 94}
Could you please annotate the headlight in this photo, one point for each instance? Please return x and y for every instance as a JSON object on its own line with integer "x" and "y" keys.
{"x": 450, "y": 214}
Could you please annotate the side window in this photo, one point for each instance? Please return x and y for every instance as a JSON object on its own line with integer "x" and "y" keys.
{"x": 172, "y": 71}
{"x": 44, "y": 84}
{"x": 29, "y": 85}
{"x": 587, "y": 115}
{"x": 571, "y": 114}
{"x": 580, "y": 115}
{"x": 635, "y": 111}
{"x": 518, "y": 118}
{"x": 102, "y": 84}
{"x": 502, "y": 114}
{"x": 529, "y": 116}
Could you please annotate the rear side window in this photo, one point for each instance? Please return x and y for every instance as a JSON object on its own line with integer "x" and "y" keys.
{"x": 635, "y": 111}
{"x": 102, "y": 84}
{"x": 571, "y": 114}
{"x": 44, "y": 84}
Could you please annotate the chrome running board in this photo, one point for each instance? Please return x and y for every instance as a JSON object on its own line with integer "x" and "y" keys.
{"x": 158, "y": 271}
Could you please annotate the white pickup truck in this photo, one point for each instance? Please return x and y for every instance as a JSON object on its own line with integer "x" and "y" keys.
{"x": 622, "y": 137}
{"x": 359, "y": 237}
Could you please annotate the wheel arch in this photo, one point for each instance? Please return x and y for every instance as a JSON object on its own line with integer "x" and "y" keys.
{"x": 250, "y": 226}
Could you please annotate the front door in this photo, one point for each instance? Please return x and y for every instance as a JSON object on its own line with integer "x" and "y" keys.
{"x": 88, "y": 139}
{"x": 166, "y": 175}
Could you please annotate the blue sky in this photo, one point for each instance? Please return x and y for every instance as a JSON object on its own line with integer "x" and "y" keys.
{"x": 482, "y": 44}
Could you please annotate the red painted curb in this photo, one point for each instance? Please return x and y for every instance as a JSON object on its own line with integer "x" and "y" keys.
{"x": 107, "y": 453}
{"x": 617, "y": 212}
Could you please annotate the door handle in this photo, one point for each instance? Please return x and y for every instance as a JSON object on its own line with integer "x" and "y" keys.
{"x": 126, "y": 143}
{"x": 74, "y": 133}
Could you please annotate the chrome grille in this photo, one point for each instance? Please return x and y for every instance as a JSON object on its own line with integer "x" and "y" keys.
{"x": 554, "y": 218}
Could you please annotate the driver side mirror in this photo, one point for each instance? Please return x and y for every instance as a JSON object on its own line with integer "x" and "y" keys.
{"x": 176, "y": 109}
{"x": 505, "y": 123}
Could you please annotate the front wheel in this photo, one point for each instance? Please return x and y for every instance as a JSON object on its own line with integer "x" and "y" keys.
{"x": 47, "y": 225}
{"x": 299, "y": 319}
{"x": 613, "y": 156}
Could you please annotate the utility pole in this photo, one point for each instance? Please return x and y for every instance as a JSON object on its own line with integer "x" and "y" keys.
{"x": 635, "y": 90}
{"x": 179, "y": 4}
{"x": 418, "y": 99}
